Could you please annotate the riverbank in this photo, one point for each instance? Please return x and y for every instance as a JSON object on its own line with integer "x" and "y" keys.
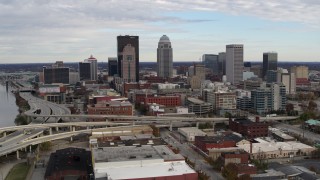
{"x": 23, "y": 106}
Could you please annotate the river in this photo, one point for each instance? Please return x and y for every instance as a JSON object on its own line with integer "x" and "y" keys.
{"x": 8, "y": 107}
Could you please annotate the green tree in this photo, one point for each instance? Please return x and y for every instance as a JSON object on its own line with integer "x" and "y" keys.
{"x": 46, "y": 146}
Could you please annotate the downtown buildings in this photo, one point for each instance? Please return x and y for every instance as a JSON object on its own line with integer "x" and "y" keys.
{"x": 128, "y": 58}
{"x": 88, "y": 70}
{"x": 164, "y": 57}
{"x": 234, "y": 63}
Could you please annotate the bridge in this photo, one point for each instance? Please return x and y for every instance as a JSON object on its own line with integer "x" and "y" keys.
{"x": 35, "y": 137}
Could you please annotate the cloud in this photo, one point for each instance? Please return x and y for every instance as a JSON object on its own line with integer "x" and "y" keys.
{"x": 71, "y": 29}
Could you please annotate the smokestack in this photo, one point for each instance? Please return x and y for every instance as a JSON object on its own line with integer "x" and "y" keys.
{"x": 257, "y": 119}
{"x": 250, "y": 147}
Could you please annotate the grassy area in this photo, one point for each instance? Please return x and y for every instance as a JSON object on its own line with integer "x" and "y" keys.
{"x": 18, "y": 172}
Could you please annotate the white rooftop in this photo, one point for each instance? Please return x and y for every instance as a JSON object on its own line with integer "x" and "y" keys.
{"x": 156, "y": 169}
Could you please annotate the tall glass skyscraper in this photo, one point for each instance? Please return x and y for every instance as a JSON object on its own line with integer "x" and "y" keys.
{"x": 164, "y": 57}
{"x": 270, "y": 62}
{"x": 123, "y": 41}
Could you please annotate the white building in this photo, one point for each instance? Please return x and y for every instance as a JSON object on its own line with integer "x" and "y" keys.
{"x": 191, "y": 132}
{"x": 234, "y": 63}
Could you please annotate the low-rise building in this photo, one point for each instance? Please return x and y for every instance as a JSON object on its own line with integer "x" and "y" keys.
{"x": 272, "y": 150}
{"x": 280, "y": 136}
{"x": 140, "y": 162}
{"x": 198, "y": 106}
{"x": 191, "y": 132}
{"x": 111, "y": 108}
{"x": 249, "y": 128}
{"x": 69, "y": 162}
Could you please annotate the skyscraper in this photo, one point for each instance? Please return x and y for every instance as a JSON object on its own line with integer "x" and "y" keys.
{"x": 211, "y": 62}
{"x": 112, "y": 66}
{"x": 88, "y": 70}
{"x": 222, "y": 62}
{"x": 122, "y": 41}
{"x": 270, "y": 62}
{"x": 56, "y": 74}
{"x": 128, "y": 64}
{"x": 234, "y": 63}
{"x": 164, "y": 57}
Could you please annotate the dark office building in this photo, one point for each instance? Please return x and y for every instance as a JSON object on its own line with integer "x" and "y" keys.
{"x": 56, "y": 75}
{"x": 211, "y": 62}
{"x": 270, "y": 62}
{"x": 112, "y": 66}
{"x": 84, "y": 71}
{"x": 122, "y": 42}
{"x": 70, "y": 163}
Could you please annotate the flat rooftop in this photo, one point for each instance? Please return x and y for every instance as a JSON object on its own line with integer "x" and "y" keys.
{"x": 134, "y": 153}
{"x": 160, "y": 169}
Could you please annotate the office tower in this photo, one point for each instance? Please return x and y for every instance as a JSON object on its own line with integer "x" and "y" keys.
{"x": 88, "y": 70}
{"x": 279, "y": 99}
{"x": 123, "y": 41}
{"x": 94, "y": 67}
{"x": 128, "y": 64}
{"x": 211, "y": 62}
{"x": 222, "y": 62}
{"x": 164, "y": 57}
{"x": 270, "y": 62}
{"x": 300, "y": 71}
{"x": 56, "y": 75}
{"x": 272, "y": 76}
{"x": 112, "y": 66}
{"x": 261, "y": 99}
{"x": 84, "y": 71}
{"x": 234, "y": 63}
{"x": 200, "y": 71}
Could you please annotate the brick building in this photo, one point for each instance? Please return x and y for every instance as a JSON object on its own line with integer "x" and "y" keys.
{"x": 237, "y": 157}
{"x": 134, "y": 85}
{"x": 249, "y": 128}
{"x": 223, "y": 141}
{"x": 168, "y": 101}
{"x": 70, "y": 162}
{"x": 112, "y": 108}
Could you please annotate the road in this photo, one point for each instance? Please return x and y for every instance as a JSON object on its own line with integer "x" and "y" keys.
{"x": 187, "y": 151}
{"x": 296, "y": 130}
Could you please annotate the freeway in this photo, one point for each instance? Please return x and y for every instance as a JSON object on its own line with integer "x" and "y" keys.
{"x": 46, "y": 109}
{"x": 54, "y": 125}
{"x": 28, "y": 141}
{"x": 296, "y": 130}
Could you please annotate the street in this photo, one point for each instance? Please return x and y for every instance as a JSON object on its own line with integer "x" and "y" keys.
{"x": 187, "y": 151}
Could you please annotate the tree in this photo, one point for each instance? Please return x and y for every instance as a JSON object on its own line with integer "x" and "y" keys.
{"x": 312, "y": 106}
{"x": 46, "y": 146}
{"x": 229, "y": 172}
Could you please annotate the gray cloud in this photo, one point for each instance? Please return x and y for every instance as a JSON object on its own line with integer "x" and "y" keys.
{"x": 38, "y": 29}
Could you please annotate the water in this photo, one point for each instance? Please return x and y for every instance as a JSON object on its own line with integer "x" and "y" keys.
{"x": 8, "y": 107}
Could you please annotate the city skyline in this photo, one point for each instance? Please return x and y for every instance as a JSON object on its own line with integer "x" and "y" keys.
{"x": 66, "y": 31}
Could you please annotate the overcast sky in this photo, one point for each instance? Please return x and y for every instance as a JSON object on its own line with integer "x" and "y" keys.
{"x": 72, "y": 30}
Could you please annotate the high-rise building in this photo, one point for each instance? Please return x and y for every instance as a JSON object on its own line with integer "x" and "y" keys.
{"x": 234, "y": 63}
{"x": 222, "y": 62}
{"x": 211, "y": 62}
{"x": 200, "y": 71}
{"x": 112, "y": 66}
{"x": 270, "y": 62}
{"x": 164, "y": 57}
{"x": 128, "y": 64}
{"x": 300, "y": 71}
{"x": 56, "y": 75}
{"x": 88, "y": 70}
{"x": 123, "y": 41}
{"x": 84, "y": 71}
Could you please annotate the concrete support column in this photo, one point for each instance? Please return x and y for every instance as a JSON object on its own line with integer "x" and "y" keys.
{"x": 18, "y": 157}
{"x": 213, "y": 124}
{"x": 170, "y": 125}
{"x": 71, "y": 139}
{"x": 4, "y": 134}
{"x": 198, "y": 124}
{"x": 70, "y": 128}
{"x": 57, "y": 129}
{"x": 30, "y": 148}
{"x": 50, "y": 131}
{"x": 88, "y": 127}
{"x": 73, "y": 128}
